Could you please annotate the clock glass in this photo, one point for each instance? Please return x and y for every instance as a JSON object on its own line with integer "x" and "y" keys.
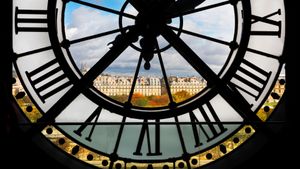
{"x": 148, "y": 83}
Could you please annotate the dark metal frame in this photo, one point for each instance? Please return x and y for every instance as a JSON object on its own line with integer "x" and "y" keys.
{"x": 217, "y": 162}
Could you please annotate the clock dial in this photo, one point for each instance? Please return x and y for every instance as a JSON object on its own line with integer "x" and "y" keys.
{"x": 125, "y": 104}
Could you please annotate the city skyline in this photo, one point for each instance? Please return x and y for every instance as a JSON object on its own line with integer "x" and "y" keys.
{"x": 147, "y": 86}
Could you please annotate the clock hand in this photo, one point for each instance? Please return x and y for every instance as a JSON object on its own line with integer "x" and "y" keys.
{"x": 226, "y": 90}
{"x": 189, "y": 55}
{"x": 120, "y": 44}
{"x": 147, "y": 44}
{"x": 182, "y": 6}
{"x": 229, "y": 93}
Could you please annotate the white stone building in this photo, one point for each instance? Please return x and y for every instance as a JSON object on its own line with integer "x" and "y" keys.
{"x": 121, "y": 85}
{"x": 192, "y": 85}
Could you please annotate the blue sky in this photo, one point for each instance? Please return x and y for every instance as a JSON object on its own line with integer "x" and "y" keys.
{"x": 217, "y": 23}
{"x": 69, "y": 10}
{"x": 71, "y": 6}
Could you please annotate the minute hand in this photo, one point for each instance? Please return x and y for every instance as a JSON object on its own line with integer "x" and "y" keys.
{"x": 229, "y": 93}
{"x": 182, "y": 6}
{"x": 120, "y": 44}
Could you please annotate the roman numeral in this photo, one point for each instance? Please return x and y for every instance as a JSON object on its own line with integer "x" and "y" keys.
{"x": 48, "y": 80}
{"x": 95, "y": 115}
{"x": 266, "y": 20}
{"x": 251, "y": 79}
{"x": 16, "y": 56}
{"x": 212, "y": 128}
{"x": 30, "y": 20}
{"x": 145, "y": 132}
{"x": 264, "y": 54}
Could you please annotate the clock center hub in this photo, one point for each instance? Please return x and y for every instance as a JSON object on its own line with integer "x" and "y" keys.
{"x": 151, "y": 21}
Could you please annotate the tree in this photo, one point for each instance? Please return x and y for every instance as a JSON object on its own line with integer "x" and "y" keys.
{"x": 181, "y": 96}
{"x": 120, "y": 98}
{"x": 139, "y": 99}
{"x": 158, "y": 101}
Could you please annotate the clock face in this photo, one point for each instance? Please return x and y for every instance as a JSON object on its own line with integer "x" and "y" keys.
{"x": 140, "y": 83}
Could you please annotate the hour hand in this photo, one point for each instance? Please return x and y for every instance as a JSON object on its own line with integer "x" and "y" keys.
{"x": 147, "y": 53}
{"x": 182, "y": 6}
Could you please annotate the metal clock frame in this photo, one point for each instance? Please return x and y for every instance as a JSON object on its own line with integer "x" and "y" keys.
{"x": 56, "y": 47}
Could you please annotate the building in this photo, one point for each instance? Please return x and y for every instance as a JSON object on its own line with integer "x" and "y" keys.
{"x": 121, "y": 85}
{"x": 192, "y": 85}
{"x": 113, "y": 85}
{"x": 149, "y": 86}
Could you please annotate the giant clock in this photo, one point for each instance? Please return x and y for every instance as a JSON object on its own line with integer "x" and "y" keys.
{"x": 123, "y": 134}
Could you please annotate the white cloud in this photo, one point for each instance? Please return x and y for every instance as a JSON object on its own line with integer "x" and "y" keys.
{"x": 88, "y": 21}
{"x": 71, "y": 32}
{"x": 217, "y": 23}
{"x": 82, "y": 26}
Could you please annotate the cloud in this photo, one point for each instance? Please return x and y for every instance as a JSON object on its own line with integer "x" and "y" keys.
{"x": 87, "y": 21}
{"x": 217, "y": 23}
{"x": 71, "y": 32}
{"x": 82, "y": 25}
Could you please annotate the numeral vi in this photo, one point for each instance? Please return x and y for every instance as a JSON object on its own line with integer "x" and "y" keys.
{"x": 145, "y": 135}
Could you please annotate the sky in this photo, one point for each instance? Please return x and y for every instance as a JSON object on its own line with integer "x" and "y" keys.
{"x": 82, "y": 21}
